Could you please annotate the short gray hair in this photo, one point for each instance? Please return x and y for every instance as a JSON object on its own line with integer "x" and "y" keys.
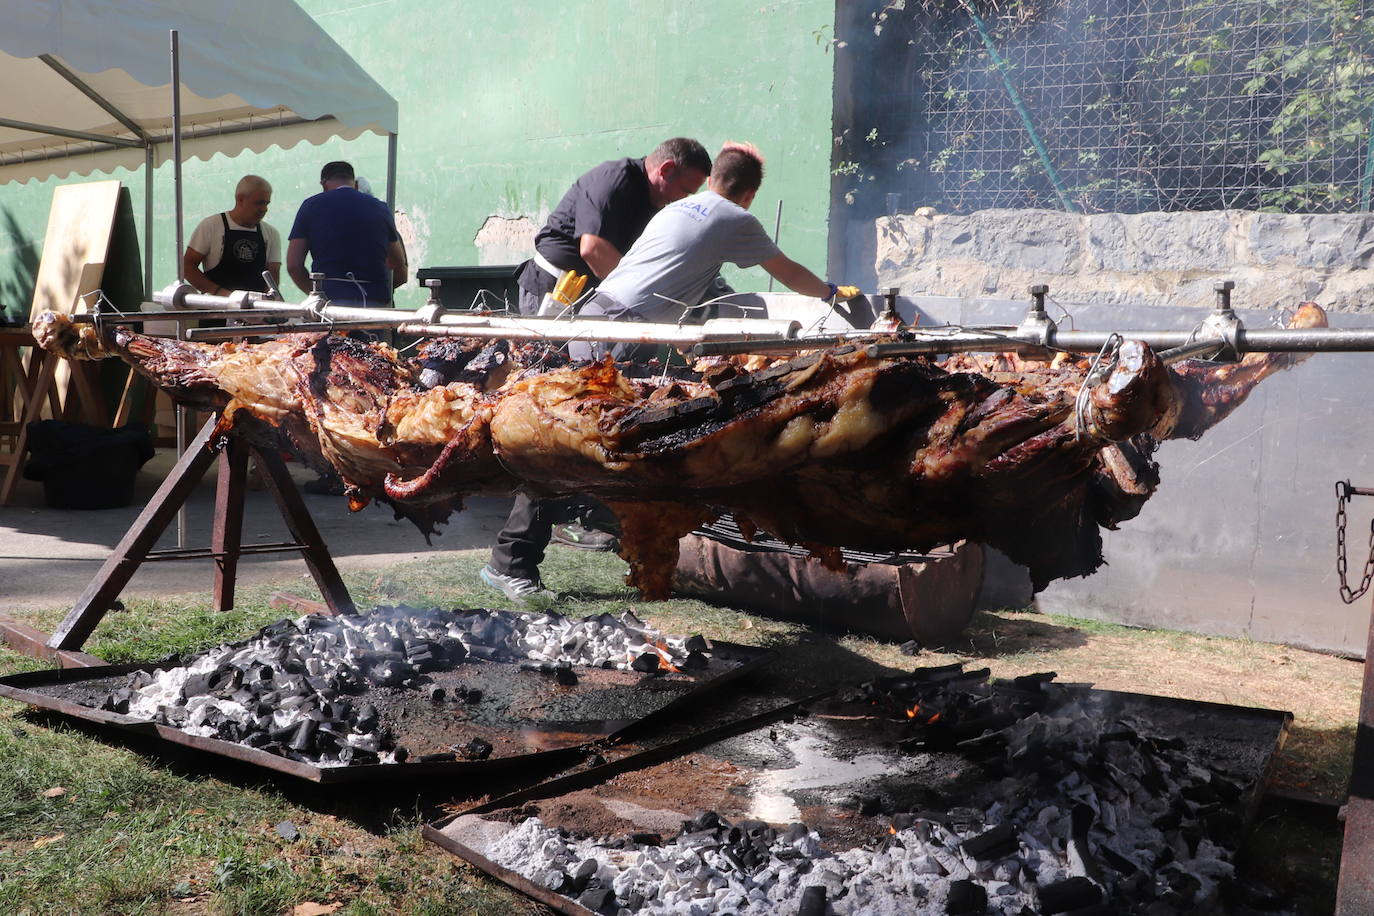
{"x": 250, "y": 183}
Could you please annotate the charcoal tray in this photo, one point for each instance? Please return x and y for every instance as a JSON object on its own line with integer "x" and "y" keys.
{"x": 535, "y": 722}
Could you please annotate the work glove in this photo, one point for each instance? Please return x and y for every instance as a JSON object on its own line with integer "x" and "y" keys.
{"x": 841, "y": 293}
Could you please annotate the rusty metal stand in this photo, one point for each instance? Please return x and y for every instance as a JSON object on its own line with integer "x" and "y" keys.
{"x": 135, "y": 548}
{"x": 1355, "y": 889}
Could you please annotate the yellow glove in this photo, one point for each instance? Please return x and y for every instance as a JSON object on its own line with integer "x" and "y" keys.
{"x": 569, "y": 287}
{"x": 846, "y": 292}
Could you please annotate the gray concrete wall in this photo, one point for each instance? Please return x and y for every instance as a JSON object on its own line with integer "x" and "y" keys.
{"x": 1162, "y": 259}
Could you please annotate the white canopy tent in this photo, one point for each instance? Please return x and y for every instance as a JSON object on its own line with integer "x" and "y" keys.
{"x": 88, "y": 86}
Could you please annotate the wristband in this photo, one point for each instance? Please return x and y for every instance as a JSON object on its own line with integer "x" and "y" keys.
{"x": 834, "y": 291}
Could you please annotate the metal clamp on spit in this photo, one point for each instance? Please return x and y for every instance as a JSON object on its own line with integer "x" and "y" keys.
{"x": 1037, "y": 327}
{"x": 433, "y": 309}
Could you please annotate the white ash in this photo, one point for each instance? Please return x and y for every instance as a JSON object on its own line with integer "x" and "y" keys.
{"x": 262, "y": 691}
{"x": 1145, "y": 841}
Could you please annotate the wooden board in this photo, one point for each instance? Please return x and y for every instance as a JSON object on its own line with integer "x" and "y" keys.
{"x": 74, "y": 246}
{"x": 74, "y": 250}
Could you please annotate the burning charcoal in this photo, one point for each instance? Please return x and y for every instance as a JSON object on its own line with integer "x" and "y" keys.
{"x": 118, "y": 701}
{"x": 582, "y": 875}
{"x": 966, "y": 898}
{"x": 937, "y": 674}
{"x": 565, "y": 675}
{"x": 870, "y": 806}
{"x": 304, "y": 736}
{"x": 476, "y": 749}
{"x": 902, "y": 822}
{"x": 598, "y": 900}
{"x": 391, "y": 674}
{"x": 1069, "y": 894}
{"x": 707, "y": 820}
{"x": 453, "y": 649}
{"x": 196, "y": 685}
{"x": 695, "y": 661}
{"x": 226, "y": 679}
{"x": 997, "y": 843}
{"x": 813, "y": 902}
{"x": 274, "y": 630}
{"x": 647, "y": 663}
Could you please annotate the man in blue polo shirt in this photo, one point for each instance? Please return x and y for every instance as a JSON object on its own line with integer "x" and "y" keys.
{"x": 350, "y": 239}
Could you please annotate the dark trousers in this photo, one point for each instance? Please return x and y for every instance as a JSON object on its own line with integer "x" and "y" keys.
{"x": 520, "y": 544}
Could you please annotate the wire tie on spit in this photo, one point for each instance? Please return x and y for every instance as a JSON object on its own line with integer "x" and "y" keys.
{"x": 1068, "y": 315}
{"x": 1097, "y": 370}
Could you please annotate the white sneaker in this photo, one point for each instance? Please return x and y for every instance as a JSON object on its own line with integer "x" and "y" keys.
{"x": 515, "y": 588}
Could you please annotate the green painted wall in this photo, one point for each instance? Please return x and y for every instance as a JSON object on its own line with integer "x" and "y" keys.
{"x": 504, "y": 104}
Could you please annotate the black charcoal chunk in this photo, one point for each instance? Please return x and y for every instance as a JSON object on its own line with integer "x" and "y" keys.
{"x": 583, "y": 874}
{"x": 304, "y": 736}
{"x": 646, "y": 663}
{"x": 813, "y": 901}
{"x": 966, "y": 898}
{"x": 696, "y": 643}
{"x": 695, "y": 661}
{"x": 476, "y": 749}
{"x": 565, "y": 675}
{"x": 997, "y": 843}
{"x": 1069, "y": 894}
{"x": 439, "y": 757}
{"x": 598, "y": 899}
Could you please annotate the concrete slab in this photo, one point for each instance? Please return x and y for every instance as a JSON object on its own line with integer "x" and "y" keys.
{"x": 48, "y": 556}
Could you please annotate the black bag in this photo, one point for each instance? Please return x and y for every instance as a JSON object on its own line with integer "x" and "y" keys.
{"x": 86, "y": 467}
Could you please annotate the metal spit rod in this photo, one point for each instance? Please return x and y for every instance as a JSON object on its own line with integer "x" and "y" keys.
{"x": 723, "y": 336}
{"x": 1262, "y": 340}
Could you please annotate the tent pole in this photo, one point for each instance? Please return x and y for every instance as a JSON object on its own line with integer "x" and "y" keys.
{"x": 181, "y": 271}
{"x": 391, "y": 172}
{"x": 148, "y": 219}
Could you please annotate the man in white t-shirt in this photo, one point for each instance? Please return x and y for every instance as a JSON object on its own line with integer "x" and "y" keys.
{"x": 674, "y": 263}
{"x": 229, "y": 251}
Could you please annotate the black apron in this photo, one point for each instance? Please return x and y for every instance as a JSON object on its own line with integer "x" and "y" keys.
{"x": 243, "y": 261}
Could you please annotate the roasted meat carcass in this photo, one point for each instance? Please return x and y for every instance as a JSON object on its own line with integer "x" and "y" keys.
{"x": 830, "y": 449}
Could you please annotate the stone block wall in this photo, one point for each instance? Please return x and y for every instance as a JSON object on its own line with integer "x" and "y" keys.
{"x": 1159, "y": 259}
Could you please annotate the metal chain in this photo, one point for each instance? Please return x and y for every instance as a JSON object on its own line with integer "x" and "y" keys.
{"x": 1348, "y": 595}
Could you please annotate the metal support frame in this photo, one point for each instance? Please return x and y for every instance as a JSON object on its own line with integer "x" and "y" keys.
{"x": 232, "y": 453}
{"x": 1355, "y": 887}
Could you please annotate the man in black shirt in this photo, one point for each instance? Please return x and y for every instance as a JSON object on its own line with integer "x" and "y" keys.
{"x": 603, "y": 213}
{"x": 589, "y": 231}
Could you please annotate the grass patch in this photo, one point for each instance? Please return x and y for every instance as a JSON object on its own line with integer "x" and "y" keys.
{"x": 134, "y": 833}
